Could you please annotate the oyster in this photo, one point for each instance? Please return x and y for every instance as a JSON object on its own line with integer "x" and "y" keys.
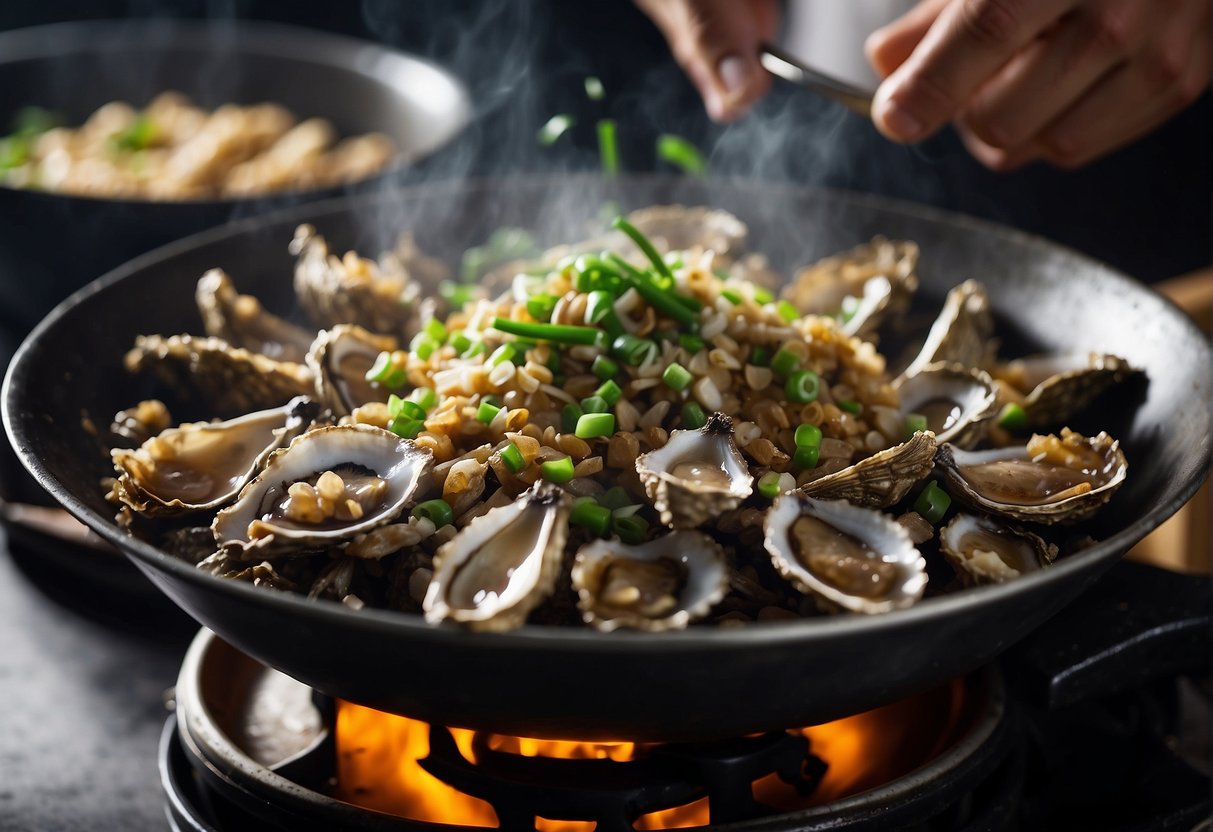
{"x": 982, "y": 550}
{"x": 227, "y": 378}
{"x": 962, "y": 334}
{"x": 849, "y": 557}
{"x": 824, "y": 287}
{"x": 1057, "y": 387}
{"x": 501, "y": 565}
{"x": 660, "y": 585}
{"x": 339, "y": 359}
{"x": 696, "y": 475}
{"x": 241, "y": 321}
{"x": 1050, "y": 480}
{"x": 203, "y": 465}
{"x": 955, "y": 401}
{"x": 882, "y": 479}
{"x": 327, "y": 486}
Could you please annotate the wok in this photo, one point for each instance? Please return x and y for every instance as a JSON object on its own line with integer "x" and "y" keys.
{"x": 696, "y": 684}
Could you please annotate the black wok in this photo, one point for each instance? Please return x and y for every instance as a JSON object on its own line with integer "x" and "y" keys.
{"x": 701, "y": 683}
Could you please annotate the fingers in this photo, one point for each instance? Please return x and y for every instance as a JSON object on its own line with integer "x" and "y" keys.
{"x": 716, "y": 43}
{"x": 969, "y": 42}
{"x": 888, "y": 48}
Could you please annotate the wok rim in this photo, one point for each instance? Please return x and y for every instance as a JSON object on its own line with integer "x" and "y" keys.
{"x": 395, "y": 624}
{"x": 255, "y": 37}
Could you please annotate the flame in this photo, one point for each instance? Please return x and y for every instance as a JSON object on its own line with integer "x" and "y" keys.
{"x": 378, "y": 764}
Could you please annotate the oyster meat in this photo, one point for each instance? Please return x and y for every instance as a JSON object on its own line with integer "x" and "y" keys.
{"x": 339, "y": 359}
{"x": 847, "y": 556}
{"x": 983, "y": 550}
{"x": 663, "y": 584}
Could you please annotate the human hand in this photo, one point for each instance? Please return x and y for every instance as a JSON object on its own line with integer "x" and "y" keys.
{"x": 1065, "y": 81}
{"x": 716, "y": 43}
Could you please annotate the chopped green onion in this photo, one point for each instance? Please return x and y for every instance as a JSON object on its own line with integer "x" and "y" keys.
{"x": 933, "y": 503}
{"x": 554, "y": 128}
{"x": 802, "y": 387}
{"x": 642, "y": 242}
{"x": 394, "y": 403}
{"x": 553, "y": 362}
{"x": 760, "y": 356}
{"x": 762, "y": 295}
{"x": 615, "y": 497}
{"x": 434, "y": 328}
{"x": 595, "y": 425}
{"x": 851, "y": 406}
{"x": 632, "y": 530}
{"x": 512, "y": 458}
{"x": 14, "y": 151}
{"x": 424, "y": 396}
{"x": 558, "y": 470}
{"x": 592, "y": 516}
{"x": 693, "y": 417}
{"x": 438, "y": 512}
{"x": 491, "y": 399}
{"x": 1013, "y": 417}
{"x": 460, "y": 341}
{"x": 666, "y": 301}
{"x": 140, "y": 135}
{"x": 405, "y": 427}
{"x": 634, "y": 351}
{"x": 691, "y": 343}
{"x": 808, "y": 436}
{"x": 423, "y": 346}
{"x": 506, "y": 352}
{"x": 914, "y": 423}
{"x": 456, "y": 294}
{"x": 487, "y": 413}
{"x": 604, "y": 367}
{"x": 477, "y": 348}
{"x": 556, "y": 333}
{"x": 381, "y": 369}
{"x": 787, "y": 311}
{"x": 608, "y": 147}
{"x": 676, "y": 377}
{"x": 682, "y": 154}
{"x": 731, "y": 296}
{"x": 541, "y": 306}
{"x": 784, "y": 363}
{"x": 768, "y": 485}
{"x": 569, "y": 416}
{"x": 600, "y": 310}
{"x": 408, "y": 409}
{"x": 610, "y": 392}
{"x": 595, "y": 404}
{"x": 806, "y": 457}
{"x": 32, "y": 121}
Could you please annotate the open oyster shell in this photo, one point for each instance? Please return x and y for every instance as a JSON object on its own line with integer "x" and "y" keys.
{"x": 241, "y": 321}
{"x": 1050, "y": 480}
{"x": 848, "y": 557}
{"x": 379, "y": 471}
{"x": 339, "y": 359}
{"x": 663, "y": 584}
{"x": 983, "y": 550}
{"x": 962, "y": 334}
{"x": 956, "y": 401}
{"x": 887, "y": 265}
{"x": 1056, "y": 387}
{"x": 202, "y": 465}
{"x": 882, "y": 479}
{"x": 696, "y": 475}
{"x": 501, "y": 565}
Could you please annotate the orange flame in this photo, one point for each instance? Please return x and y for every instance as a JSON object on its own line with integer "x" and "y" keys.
{"x": 378, "y": 764}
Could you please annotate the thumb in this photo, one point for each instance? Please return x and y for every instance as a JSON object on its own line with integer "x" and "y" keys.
{"x": 716, "y": 42}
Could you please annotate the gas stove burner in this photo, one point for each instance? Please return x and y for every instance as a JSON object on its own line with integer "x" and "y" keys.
{"x": 250, "y": 747}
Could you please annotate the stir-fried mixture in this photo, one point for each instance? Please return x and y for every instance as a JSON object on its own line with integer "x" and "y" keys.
{"x": 632, "y": 431}
{"x": 174, "y": 150}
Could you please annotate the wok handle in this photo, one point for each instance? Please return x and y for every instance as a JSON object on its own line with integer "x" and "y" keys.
{"x": 1136, "y": 624}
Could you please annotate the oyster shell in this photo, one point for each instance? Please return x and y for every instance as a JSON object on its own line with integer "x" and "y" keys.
{"x": 962, "y": 334}
{"x": 982, "y": 550}
{"x": 501, "y": 565}
{"x": 1056, "y": 387}
{"x": 241, "y": 321}
{"x": 339, "y": 359}
{"x": 203, "y": 465}
{"x": 955, "y": 401}
{"x": 227, "y": 378}
{"x": 379, "y": 473}
{"x": 696, "y": 475}
{"x": 663, "y": 584}
{"x": 1050, "y": 480}
{"x": 882, "y": 479}
{"x": 847, "y": 556}
{"x": 888, "y": 265}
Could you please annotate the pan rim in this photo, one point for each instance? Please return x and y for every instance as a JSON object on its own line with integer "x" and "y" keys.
{"x": 530, "y": 636}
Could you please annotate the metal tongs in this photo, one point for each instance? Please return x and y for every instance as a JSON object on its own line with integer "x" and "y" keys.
{"x": 788, "y": 68}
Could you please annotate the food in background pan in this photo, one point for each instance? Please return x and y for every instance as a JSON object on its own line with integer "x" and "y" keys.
{"x": 631, "y": 431}
{"x": 174, "y": 150}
